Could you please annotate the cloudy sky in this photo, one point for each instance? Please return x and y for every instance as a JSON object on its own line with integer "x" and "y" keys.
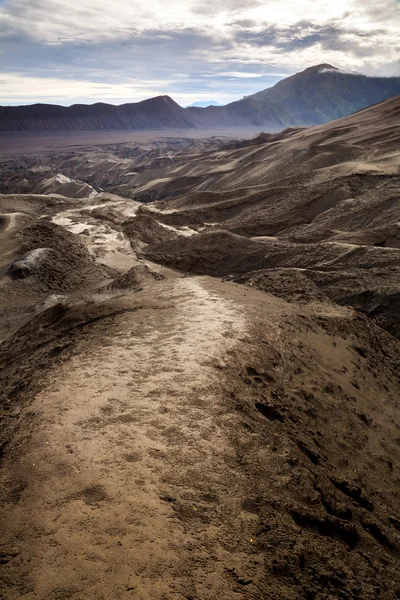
{"x": 127, "y": 50}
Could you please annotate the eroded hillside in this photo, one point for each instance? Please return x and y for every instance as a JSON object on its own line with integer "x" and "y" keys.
{"x": 200, "y": 367}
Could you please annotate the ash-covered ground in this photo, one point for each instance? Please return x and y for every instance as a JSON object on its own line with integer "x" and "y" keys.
{"x": 200, "y": 366}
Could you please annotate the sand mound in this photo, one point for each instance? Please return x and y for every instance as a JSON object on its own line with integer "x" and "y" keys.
{"x": 136, "y": 278}
{"x": 217, "y": 253}
{"x": 34, "y": 347}
{"x": 292, "y": 285}
{"x": 144, "y": 229}
{"x": 365, "y": 277}
{"x": 30, "y": 204}
{"x": 375, "y": 292}
{"x": 53, "y": 259}
{"x": 13, "y": 220}
{"x": 61, "y": 184}
{"x": 221, "y": 253}
{"x": 28, "y": 264}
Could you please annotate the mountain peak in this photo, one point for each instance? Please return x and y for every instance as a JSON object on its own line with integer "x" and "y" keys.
{"x": 161, "y": 100}
{"x": 322, "y": 93}
{"x": 203, "y": 104}
{"x": 321, "y": 67}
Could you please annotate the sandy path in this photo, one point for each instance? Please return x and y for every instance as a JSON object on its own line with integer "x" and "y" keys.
{"x": 12, "y": 222}
{"x": 107, "y": 244}
{"x": 131, "y": 490}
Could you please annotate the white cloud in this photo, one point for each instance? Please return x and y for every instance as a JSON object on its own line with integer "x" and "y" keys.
{"x": 240, "y": 74}
{"x": 74, "y": 47}
{"x": 19, "y": 89}
{"x": 54, "y": 20}
{"x": 14, "y": 87}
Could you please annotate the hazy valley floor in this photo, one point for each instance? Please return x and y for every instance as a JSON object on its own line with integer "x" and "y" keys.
{"x": 15, "y": 144}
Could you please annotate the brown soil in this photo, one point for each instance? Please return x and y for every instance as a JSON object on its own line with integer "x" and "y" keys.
{"x": 144, "y": 229}
{"x": 136, "y": 277}
{"x": 166, "y": 434}
{"x": 203, "y": 440}
{"x": 68, "y": 266}
{"x": 365, "y": 277}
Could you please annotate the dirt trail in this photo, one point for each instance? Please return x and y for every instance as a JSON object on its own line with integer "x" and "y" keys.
{"x": 106, "y": 243}
{"x": 126, "y": 489}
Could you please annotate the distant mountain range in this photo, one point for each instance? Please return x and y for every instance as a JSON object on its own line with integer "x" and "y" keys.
{"x": 204, "y": 104}
{"x": 156, "y": 113}
{"x": 314, "y": 96}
